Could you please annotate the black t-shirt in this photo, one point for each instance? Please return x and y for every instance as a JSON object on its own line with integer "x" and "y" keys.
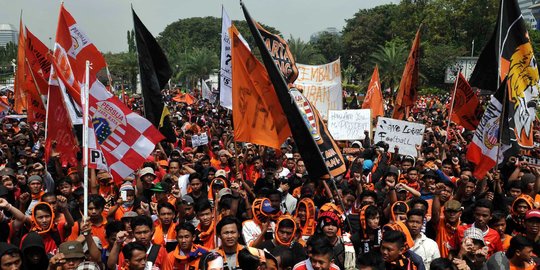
{"x": 298, "y": 252}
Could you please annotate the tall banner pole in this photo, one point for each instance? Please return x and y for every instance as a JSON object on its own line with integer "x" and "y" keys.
{"x": 85, "y": 102}
{"x": 452, "y": 105}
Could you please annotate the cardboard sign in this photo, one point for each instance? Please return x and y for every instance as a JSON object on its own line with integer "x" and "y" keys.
{"x": 321, "y": 85}
{"x": 406, "y": 135}
{"x": 349, "y": 124}
{"x": 198, "y": 140}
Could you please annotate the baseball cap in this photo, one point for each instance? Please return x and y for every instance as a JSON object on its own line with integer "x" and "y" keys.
{"x": 392, "y": 170}
{"x": 71, "y": 171}
{"x": 221, "y": 173}
{"x": 224, "y": 191}
{"x": 146, "y": 170}
{"x": 475, "y": 234}
{"x": 535, "y": 213}
{"x": 34, "y": 178}
{"x": 367, "y": 165}
{"x": 71, "y": 249}
{"x": 186, "y": 199}
{"x": 267, "y": 208}
{"x": 452, "y": 205}
{"x": 158, "y": 188}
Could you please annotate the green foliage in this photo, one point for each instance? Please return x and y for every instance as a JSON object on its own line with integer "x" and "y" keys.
{"x": 432, "y": 91}
{"x": 305, "y": 53}
{"x": 391, "y": 59}
{"x": 348, "y": 74}
{"x": 353, "y": 87}
{"x": 449, "y": 27}
{"x": 534, "y": 36}
{"x": 329, "y": 45}
{"x": 196, "y": 65}
{"x": 124, "y": 66}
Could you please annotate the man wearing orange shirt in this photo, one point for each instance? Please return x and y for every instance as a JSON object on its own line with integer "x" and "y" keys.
{"x": 186, "y": 255}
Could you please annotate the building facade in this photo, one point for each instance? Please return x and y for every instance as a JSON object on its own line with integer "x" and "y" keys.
{"x": 8, "y": 33}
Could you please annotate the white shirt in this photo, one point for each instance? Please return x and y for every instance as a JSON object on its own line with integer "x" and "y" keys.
{"x": 427, "y": 249}
{"x": 250, "y": 230}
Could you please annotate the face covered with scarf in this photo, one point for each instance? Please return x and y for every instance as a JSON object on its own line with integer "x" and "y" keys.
{"x": 42, "y": 218}
{"x": 329, "y": 223}
{"x": 285, "y": 230}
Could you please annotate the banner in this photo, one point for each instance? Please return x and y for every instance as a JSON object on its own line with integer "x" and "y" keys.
{"x": 321, "y": 85}
{"x": 405, "y": 135}
{"x": 198, "y": 140}
{"x": 225, "y": 83}
{"x": 374, "y": 98}
{"x": 467, "y": 110}
{"x": 207, "y": 93}
{"x": 408, "y": 87}
{"x": 155, "y": 72}
{"x": 349, "y": 124}
{"x": 280, "y": 52}
{"x": 258, "y": 115}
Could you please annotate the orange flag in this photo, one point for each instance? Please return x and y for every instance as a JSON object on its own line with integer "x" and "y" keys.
{"x": 258, "y": 116}
{"x": 407, "y": 93}
{"x": 38, "y": 58}
{"x": 374, "y": 99}
{"x": 20, "y": 91}
{"x": 466, "y": 110}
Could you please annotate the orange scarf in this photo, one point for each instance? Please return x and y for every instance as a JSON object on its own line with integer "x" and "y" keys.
{"x": 189, "y": 260}
{"x": 222, "y": 253}
{"x": 37, "y": 197}
{"x": 162, "y": 239}
{"x": 309, "y": 227}
{"x": 207, "y": 237}
{"x": 444, "y": 233}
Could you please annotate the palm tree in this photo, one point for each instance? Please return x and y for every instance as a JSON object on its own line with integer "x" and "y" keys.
{"x": 391, "y": 59}
{"x": 305, "y": 53}
{"x": 197, "y": 64}
{"x": 348, "y": 74}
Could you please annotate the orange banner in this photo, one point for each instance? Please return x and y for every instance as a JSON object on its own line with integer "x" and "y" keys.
{"x": 374, "y": 99}
{"x": 258, "y": 116}
{"x": 407, "y": 94}
{"x": 20, "y": 91}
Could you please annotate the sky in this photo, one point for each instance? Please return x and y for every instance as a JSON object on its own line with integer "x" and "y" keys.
{"x": 107, "y": 21}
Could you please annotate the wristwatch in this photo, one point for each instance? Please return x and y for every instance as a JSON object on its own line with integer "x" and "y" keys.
{"x": 85, "y": 233}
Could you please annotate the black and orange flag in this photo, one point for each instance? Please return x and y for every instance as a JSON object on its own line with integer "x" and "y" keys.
{"x": 407, "y": 94}
{"x": 19, "y": 87}
{"x": 280, "y": 52}
{"x": 258, "y": 117}
{"x": 314, "y": 142}
{"x": 510, "y": 41}
{"x": 374, "y": 99}
{"x": 466, "y": 109}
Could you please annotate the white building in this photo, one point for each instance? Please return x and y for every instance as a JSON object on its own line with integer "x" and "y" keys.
{"x": 8, "y": 33}
{"x": 525, "y": 6}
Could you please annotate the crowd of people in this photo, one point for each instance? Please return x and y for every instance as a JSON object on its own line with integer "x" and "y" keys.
{"x": 231, "y": 205}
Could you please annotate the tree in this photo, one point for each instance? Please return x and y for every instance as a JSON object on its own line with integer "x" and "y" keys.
{"x": 197, "y": 64}
{"x": 363, "y": 33}
{"x": 124, "y": 66}
{"x": 305, "y": 53}
{"x": 391, "y": 59}
{"x": 329, "y": 45}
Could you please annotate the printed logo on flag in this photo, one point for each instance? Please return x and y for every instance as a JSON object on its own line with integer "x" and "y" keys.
{"x": 307, "y": 113}
{"x": 79, "y": 40}
{"x": 491, "y": 133}
{"x": 108, "y": 119}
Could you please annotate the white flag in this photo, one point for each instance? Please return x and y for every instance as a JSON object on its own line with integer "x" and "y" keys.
{"x": 225, "y": 84}
{"x": 207, "y": 93}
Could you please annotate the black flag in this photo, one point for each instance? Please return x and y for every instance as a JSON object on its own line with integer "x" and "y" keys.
{"x": 313, "y": 140}
{"x": 155, "y": 72}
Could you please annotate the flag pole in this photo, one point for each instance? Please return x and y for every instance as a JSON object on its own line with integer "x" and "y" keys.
{"x": 501, "y": 125}
{"x": 452, "y": 105}
{"x": 86, "y": 89}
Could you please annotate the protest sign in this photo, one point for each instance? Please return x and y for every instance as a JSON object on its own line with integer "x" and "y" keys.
{"x": 198, "y": 140}
{"x": 406, "y": 135}
{"x": 321, "y": 85}
{"x": 349, "y": 124}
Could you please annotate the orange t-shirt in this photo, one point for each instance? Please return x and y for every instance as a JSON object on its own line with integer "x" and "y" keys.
{"x": 98, "y": 231}
{"x": 175, "y": 261}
